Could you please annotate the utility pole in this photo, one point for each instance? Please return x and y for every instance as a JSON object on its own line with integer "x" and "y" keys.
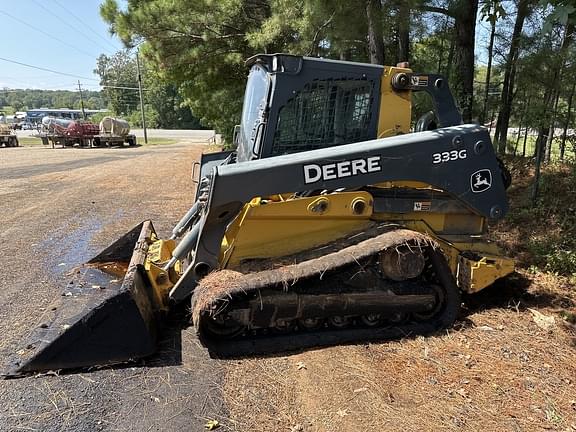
{"x": 141, "y": 97}
{"x": 81, "y": 101}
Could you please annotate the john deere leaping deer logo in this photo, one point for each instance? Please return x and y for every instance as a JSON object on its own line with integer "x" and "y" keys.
{"x": 481, "y": 180}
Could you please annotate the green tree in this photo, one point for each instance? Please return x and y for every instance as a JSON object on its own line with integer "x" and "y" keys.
{"x": 501, "y": 136}
{"x": 491, "y": 11}
{"x": 31, "y": 98}
{"x": 463, "y": 12}
{"x": 163, "y": 104}
{"x": 200, "y": 45}
{"x": 116, "y": 72}
{"x": 168, "y": 108}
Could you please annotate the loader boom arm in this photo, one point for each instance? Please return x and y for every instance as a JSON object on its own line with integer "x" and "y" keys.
{"x": 459, "y": 160}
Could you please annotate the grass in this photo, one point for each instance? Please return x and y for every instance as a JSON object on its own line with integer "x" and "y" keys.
{"x": 157, "y": 141}
{"x": 513, "y": 143}
{"x": 31, "y": 141}
{"x": 542, "y": 235}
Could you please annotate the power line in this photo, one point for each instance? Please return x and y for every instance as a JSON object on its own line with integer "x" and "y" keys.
{"x": 46, "y": 34}
{"x": 117, "y": 85}
{"x": 111, "y": 85}
{"x": 120, "y": 87}
{"x": 86, "y": 25}
{"x": 71, "y": 26}
{"x": 46, "y": 69}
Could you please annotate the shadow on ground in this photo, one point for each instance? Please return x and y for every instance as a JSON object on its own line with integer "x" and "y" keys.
{"x": 514, "y": 292}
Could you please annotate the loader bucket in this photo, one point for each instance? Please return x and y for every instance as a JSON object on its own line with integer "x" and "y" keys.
{"x": 107, "y": 314}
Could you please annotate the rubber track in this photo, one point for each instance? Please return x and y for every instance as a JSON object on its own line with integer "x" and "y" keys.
{"x": 224, "y": 285}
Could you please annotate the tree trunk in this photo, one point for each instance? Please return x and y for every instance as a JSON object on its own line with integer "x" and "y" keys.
{"x": 543, "y": 124}
{"x": 522, "y": 119}
{"x": 567, "y": 122}
{"x": 465, "y": 12}
{"x": 537, "y": 174}
{"x": 404, "y": 32}
{"x": 539, "y": 148}
{"x": 552, "y": 128}
{"x": 550, "y": 94}
{"x": 492, "y": 116}
{"x": 441, "y": 51}
{"x": 557, "y": 70}
{"x": 488, "y": 71}
{"x": 375, "y": 39}
{"x": 345, "y": 54}
{"x": 450, "y": 59}
{"x": 525, "y": 139}
{"x": 461, "y": 50}
{"x": 509, "y": 72}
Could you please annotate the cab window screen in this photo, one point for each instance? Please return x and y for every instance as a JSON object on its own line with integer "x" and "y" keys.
{"x": 324, "y": 114}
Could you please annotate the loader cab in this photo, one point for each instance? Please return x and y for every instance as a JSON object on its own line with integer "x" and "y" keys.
{"x": 294, "y": 104}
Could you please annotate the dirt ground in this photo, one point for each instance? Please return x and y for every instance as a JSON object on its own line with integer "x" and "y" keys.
{"x": 58, "y": 208}
{"x": 497, "y": 370}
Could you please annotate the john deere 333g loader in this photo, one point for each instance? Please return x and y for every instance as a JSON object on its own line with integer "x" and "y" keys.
{"x": 330, "y": 223}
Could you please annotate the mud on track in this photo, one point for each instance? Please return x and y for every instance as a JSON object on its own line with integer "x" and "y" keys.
{"x": 59, "y": 207}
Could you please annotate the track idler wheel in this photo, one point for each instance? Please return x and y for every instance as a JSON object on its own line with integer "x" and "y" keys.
{"x": 402, "y": 263}
{"x": 371, "y": 320}
{"x": 284, "y": 327}
{"x": 310, "y": 323}
{"x": 225, "y": 327}
{"x": 440, "y": 299}
{"x": 339, "y": 322}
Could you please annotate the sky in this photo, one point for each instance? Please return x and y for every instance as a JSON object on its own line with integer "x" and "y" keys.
{"x": 63, "y": 35}
{"x": 67, "y": 36}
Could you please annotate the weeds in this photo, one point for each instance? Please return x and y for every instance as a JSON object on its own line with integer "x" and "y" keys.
{"x": 548, "y": 229}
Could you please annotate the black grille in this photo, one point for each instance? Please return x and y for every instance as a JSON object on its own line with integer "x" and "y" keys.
{"x": 324, "y": 114}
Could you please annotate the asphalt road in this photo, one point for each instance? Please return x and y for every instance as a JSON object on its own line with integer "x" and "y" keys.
{"x": 189, "y": 134}
{"x": 200, "y": 135}
{"x": 59, "y": 207}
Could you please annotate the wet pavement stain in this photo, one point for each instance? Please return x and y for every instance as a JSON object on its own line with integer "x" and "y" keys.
{"x": 66, "y": 249}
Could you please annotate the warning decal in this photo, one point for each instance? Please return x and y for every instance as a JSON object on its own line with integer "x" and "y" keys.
{"x": 422, "y": 205}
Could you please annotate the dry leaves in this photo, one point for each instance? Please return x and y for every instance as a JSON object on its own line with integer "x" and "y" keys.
{"x": 212, "y": 424}
{"x": 545, "y": 322}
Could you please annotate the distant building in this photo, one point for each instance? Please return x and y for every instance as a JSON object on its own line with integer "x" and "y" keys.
{"x": 36, "y": 115}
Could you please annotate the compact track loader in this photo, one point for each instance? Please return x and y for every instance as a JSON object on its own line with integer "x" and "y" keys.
{"x": 329, "y": 223}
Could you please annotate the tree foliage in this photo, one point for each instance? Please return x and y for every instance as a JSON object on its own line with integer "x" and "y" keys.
{"x": 115, "y": 72}
{"x": 200, "y": 47}
{"x": 163, "y": 104}
{"x": 21, "y": 100}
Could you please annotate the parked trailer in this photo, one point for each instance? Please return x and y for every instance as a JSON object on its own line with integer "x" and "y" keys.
{"x": 114, "y": 132}
{"x": 67, "y": 133}
{"x": 7, "y": 138}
